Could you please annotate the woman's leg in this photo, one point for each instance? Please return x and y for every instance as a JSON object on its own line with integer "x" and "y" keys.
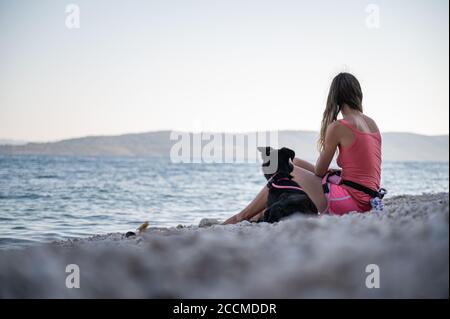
{"x": 304, "y": 164}
{"x": 304, "y": 175}
{"x": 258, "y": 216}
{"x": 312, "y": 185}
{"x": 255, "y": 207}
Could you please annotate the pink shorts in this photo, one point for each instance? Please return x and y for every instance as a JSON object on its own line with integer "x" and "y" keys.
{"x": 339, "y": 201}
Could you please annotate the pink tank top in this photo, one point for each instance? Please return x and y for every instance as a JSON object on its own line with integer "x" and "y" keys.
{"x": 361, "y": 163}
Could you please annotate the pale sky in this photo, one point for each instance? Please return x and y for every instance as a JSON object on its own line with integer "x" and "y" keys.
{"x": 234, "y": 65}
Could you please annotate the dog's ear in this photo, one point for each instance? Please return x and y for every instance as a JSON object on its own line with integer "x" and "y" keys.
{"x": 265, "y": 150}
{"x": 289, "y": 153}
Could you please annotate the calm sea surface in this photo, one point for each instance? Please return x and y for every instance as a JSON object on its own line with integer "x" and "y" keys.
{"x": 46, "y": 198}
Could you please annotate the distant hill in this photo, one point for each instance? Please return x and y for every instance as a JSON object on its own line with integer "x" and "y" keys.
{"x": 12, "y": 142}
{"x": 396, "y": 146}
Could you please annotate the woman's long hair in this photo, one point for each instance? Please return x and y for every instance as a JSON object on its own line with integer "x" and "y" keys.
{"x": 345, "y": 89}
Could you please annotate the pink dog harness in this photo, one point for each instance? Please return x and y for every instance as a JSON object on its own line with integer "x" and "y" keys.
{"x": 298, "y": 188}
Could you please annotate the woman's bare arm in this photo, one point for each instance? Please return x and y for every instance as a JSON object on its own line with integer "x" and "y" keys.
{"x": 332, "y": 139}
{"x": 304, "y": 164}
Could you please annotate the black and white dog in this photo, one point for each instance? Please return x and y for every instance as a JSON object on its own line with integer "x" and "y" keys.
{"x": 285, "y": 195}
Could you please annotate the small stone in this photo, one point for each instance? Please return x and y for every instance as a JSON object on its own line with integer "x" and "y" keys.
{"x": 130, "y": 234}
{"x": 206, "y": 222}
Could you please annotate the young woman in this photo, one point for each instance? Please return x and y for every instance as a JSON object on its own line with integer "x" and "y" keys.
{"x": 358, "y": 140}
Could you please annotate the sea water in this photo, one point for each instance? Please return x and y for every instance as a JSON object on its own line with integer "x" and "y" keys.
{"x": 44, "y": 198}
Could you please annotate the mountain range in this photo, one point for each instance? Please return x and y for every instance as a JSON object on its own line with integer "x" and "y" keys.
{"x": 396, "y": 146}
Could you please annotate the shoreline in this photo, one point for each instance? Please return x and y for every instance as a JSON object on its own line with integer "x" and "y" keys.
{"x": 301, "y": 257}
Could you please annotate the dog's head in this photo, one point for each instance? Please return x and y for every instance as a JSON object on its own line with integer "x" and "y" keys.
{"x": 276, "y": 161}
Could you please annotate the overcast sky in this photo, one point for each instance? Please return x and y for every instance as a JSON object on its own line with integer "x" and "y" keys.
{"x": 234, "y": 65}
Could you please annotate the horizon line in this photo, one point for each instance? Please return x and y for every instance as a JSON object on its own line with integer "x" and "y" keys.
{"x": 25, "y": 141}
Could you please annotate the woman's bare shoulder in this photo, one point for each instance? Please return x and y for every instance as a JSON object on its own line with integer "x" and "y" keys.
{"x": 371, "y": 123}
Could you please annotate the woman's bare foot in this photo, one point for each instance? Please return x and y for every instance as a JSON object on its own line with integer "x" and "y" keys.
{"x": 232, "y": 220}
